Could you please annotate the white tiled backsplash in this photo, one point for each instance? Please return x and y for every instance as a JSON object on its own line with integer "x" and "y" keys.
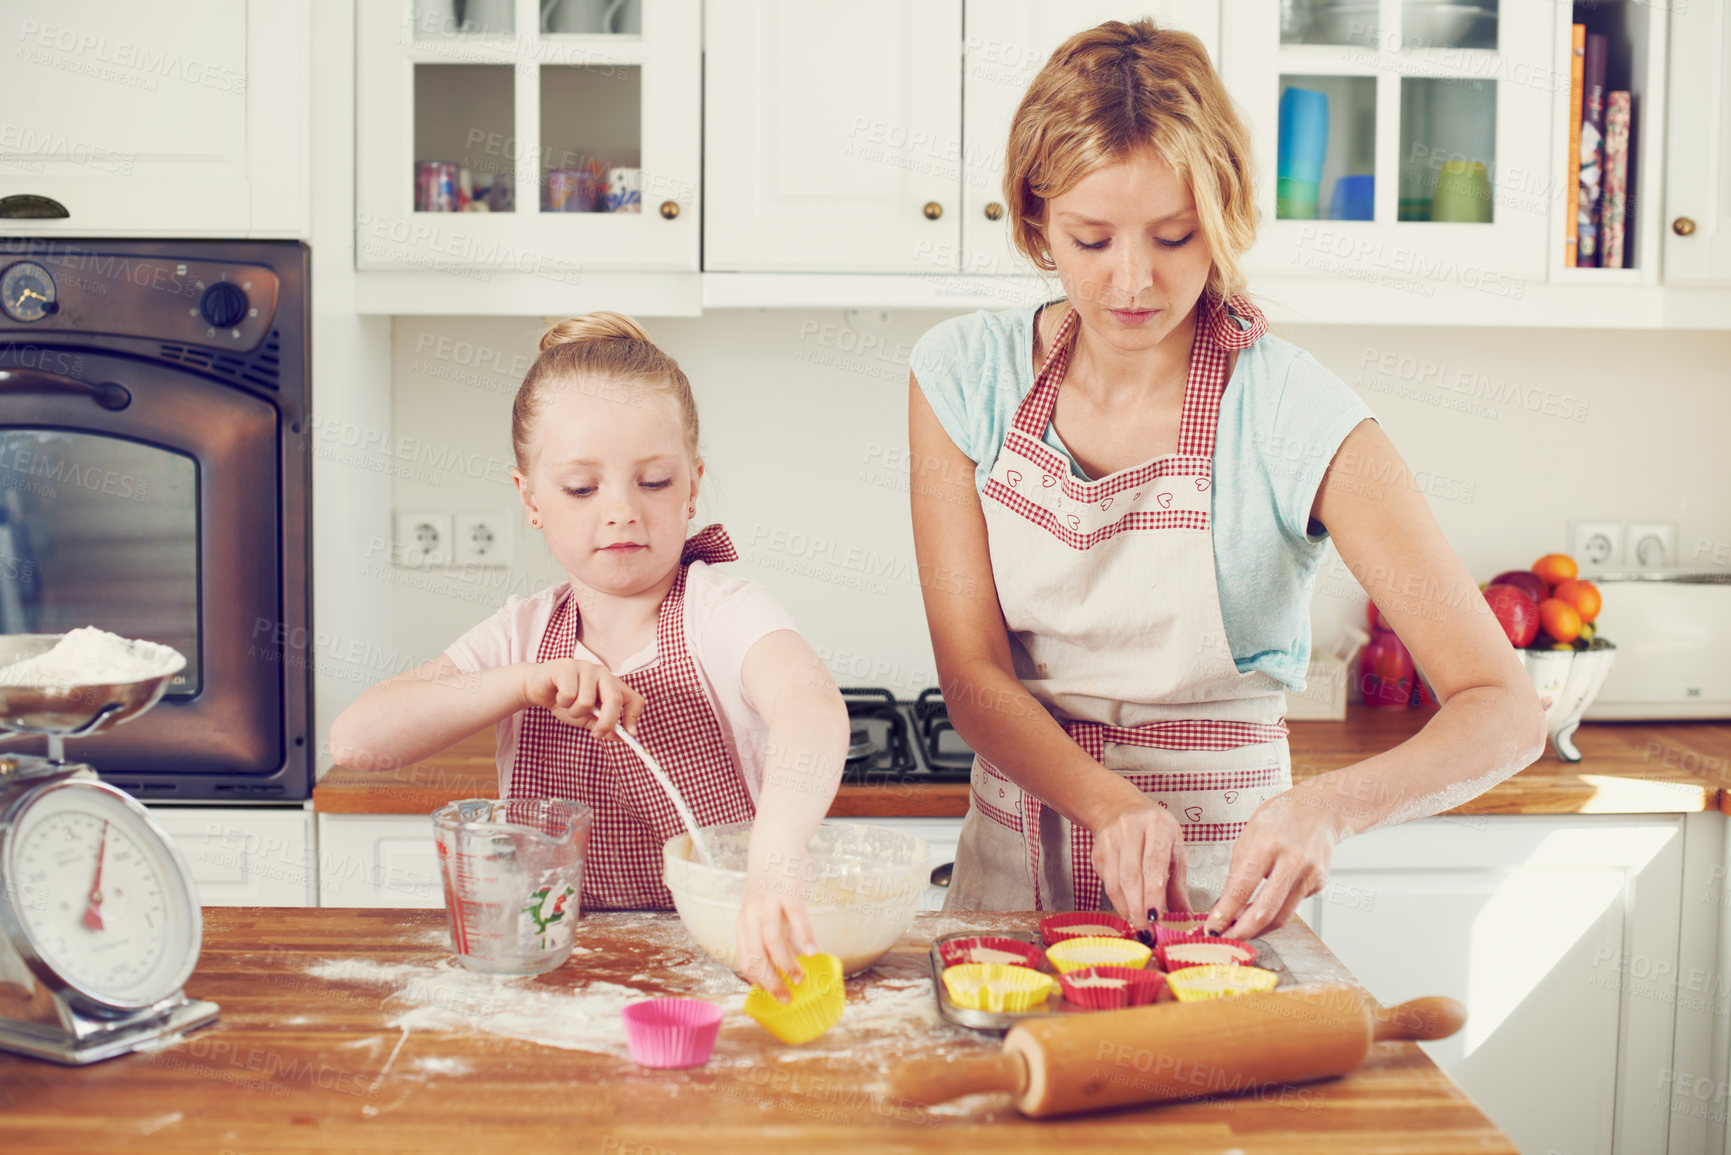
{"x": 1512, "y": 432}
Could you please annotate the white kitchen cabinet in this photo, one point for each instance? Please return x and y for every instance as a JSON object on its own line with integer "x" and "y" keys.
{"x": 379, "y": 860}
{"x": 1698, "y": 146}
{"x": 1403, "y": 101}
{"x": 522, "y": 104}
{"x": 1006, "y": 42}
{"x": 181, "y": 118}
{"x": 246, "y": 856}
{"x": 1559, "y": 934}
{"x": 832, "y": 138}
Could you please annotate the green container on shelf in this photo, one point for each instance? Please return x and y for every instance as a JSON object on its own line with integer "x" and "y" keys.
{"x": 1296, "y": 200}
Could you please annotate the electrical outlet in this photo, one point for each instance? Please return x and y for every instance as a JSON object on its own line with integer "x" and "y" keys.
{"x": 483, "y": 539}
{"x": 1652, "y": 544}
{"x": 423, "y": 539}
{"x": 1597, "y": 544}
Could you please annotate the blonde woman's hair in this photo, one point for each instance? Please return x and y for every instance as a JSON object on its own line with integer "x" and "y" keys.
{"x": 1114, "y": 89}
{"x": 615, "y": 353}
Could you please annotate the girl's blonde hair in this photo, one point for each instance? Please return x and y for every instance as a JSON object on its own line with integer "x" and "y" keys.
{"x": 1114, "y": 89}
{"x": 612, "y": 351}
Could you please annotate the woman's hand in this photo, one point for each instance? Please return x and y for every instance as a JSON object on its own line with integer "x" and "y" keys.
{"x": 772, "y": 928}
{"x": 1139, "y": 856}
{"x": 582, "y": 694}
{"x": 1286, "y": 846}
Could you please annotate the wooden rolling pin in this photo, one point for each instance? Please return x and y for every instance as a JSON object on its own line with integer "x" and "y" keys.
{"x": 1066, "y": 1063}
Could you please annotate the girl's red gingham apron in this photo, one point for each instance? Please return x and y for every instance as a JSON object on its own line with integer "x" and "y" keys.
{"x": 1109, "y": 592}
{"x": 633, "y": 818}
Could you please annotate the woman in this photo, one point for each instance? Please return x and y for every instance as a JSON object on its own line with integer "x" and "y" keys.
{"x": 1147, "y": 480}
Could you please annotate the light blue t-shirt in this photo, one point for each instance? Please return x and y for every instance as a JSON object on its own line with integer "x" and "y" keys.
{"x": 1282, "y": 418}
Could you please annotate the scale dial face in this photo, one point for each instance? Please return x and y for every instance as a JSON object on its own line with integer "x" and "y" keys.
{"x": 101, "y": 896}
{"x": 27, "y": 291}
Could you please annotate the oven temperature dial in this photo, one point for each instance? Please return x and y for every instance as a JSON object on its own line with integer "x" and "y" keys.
{"x": 223, "y": 305}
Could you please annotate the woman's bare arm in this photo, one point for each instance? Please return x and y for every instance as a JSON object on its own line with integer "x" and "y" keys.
{"x": 1137, "y": 843}
{"x": 1490, "y": 724}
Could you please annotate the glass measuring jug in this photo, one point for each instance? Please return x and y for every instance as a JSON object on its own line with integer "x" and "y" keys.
{"x": 513, "y": 874}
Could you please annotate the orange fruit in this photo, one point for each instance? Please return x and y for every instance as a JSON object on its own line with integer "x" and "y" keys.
{"x": 1583, "y": 595}
{"x": 1556, "y": 568}
{"x": 1561, "y": 620}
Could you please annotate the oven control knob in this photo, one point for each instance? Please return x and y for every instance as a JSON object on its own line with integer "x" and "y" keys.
{"x": 223, "y": 305}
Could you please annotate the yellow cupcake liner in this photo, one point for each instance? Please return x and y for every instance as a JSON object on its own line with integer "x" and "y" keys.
{"x": 997, "y": 986}
{"x": 1097, "y": 951}
{"x": 814, "y": 1007}
{"x": 1219, "y": 981}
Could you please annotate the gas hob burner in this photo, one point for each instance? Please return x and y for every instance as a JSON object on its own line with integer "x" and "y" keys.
{"x": 940, "y": 746}
{"x": 878, "y": 745}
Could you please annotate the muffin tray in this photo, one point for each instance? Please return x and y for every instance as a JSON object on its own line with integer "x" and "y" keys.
{"x": 997, "y": 1022}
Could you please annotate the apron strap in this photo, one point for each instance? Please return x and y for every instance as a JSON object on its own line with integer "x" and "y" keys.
{"x": 709, "y": 544}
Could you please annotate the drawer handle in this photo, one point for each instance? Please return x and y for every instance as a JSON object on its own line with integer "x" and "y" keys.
{"x": 28, "y": 206}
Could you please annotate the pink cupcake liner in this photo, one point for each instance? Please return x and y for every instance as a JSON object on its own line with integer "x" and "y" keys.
{"x": 1245, "y": 954}
{"x": 1140, "y": 988}
{"x": 960, "y": 951}
{"x": 1165, "y": 934}
{"x": 671, "y": 1032}
{"x": 1053, "y": 928}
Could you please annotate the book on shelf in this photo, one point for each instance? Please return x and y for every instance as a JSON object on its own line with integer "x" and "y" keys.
{"x": 1619, "y": 114}
{"x": 1571, "y": 218}
{"x": 1592, "y": 150}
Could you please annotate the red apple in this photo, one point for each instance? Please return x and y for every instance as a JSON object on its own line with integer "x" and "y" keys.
{"x": 1524, "y": 579}
{"x": 1517, "y": 612}
{"x": 1385, "y": 672}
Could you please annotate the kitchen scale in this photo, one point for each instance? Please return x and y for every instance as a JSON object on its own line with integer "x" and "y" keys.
{"x": 99, "y": 920}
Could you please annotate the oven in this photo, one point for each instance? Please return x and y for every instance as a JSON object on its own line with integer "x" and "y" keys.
{"x": 154, "y": 480}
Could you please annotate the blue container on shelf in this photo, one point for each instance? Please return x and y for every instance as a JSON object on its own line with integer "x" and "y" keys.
{"x": 1354, "y": 199}
{"x": 1302, "y": 145}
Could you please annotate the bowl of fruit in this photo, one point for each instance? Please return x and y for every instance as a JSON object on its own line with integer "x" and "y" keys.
{"x": 1548, "y": 613}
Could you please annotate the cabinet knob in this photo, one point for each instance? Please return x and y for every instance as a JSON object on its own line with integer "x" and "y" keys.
{"x": 669, "y": 209}
{"x": 933, "y": 210}
{"x": 1683, "y": 227}
{"x": 994, "y": 211}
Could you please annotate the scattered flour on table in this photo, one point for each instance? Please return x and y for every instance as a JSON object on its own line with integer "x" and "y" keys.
{"x": 441, "y": 1065}
{"x": 89, "y": 656}
{"x": 152, "y": 1126}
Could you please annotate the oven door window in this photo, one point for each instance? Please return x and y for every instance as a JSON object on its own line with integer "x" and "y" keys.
{"x": 100, "y": 531}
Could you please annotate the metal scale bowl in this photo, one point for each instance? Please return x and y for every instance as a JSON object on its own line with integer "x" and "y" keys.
{"x": 99, "y": 919}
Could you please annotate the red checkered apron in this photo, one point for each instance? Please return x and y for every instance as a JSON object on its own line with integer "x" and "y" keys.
{"x": 633, "y": 817}
{"x": 1110, "y": 595}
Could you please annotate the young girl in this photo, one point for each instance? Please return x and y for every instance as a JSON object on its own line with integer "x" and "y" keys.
{"x": 703, "y": 668}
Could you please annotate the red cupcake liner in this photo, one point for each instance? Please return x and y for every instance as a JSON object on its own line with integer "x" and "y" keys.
{"x": 671, "y": 1032}
{"x": 1052, "y": 927}
{"x": 1140, "y": 988}
{"x": 959, "y": 951}
{"x": 1164, "y": 935}
{"x": 1245, "y": 954}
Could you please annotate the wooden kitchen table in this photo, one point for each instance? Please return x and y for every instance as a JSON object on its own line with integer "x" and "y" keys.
{"x": 354, "y": 1030}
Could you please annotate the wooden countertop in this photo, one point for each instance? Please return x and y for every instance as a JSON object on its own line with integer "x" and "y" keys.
{"x": 1629, "y": 768}
{"x": 351, "y": 1030}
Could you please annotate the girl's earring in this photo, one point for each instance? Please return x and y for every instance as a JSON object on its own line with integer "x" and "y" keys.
{"x": 536, "y": 522}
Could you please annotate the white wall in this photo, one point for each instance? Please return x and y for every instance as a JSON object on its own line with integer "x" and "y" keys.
{"x": 804, "y": 419}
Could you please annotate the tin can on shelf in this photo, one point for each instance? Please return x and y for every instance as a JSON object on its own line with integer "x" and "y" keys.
{"x": 624, "y": 190}
{"x": 571, "y": 190}
{"x": 436, "y": 187}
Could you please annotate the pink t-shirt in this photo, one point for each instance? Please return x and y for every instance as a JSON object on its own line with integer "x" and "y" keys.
{"x": 724, "y": 617}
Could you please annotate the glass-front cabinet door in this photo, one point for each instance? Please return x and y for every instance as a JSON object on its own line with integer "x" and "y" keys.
{"x": 531, "y": 136}
{"x": 1400, "y": 143}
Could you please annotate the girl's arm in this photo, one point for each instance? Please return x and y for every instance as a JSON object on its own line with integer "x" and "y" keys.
{"x": 808, "y": 736}
{"x": 1490, "y": 724}
{"x": 418, "y": 713}
{"x": 1138, "y": 847}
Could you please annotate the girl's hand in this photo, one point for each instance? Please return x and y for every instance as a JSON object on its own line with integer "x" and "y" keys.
{"x": 582, "y": 694}
{"x": 773, "y": 929}
{"x": 1139, "y": 856}
{"x": 1287, "y": 848}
